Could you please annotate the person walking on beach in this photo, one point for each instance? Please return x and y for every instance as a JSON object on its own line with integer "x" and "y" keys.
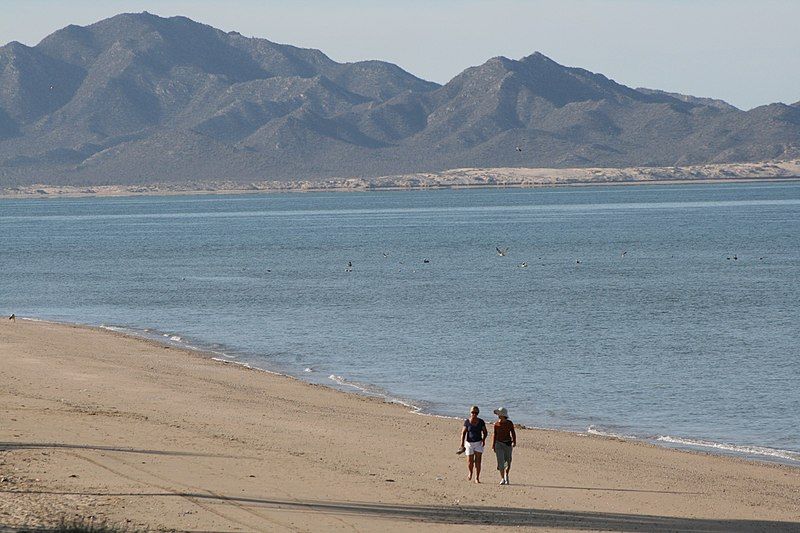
{"x": 473, "y": 439}
{"x": 504, "y": 439}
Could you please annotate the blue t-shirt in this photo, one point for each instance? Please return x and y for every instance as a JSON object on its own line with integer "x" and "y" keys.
{"x": 475, "y": 433}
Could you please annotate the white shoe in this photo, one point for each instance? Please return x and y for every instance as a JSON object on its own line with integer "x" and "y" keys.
{"x": 507, "y": 482}
{"x": 503, "y": 482}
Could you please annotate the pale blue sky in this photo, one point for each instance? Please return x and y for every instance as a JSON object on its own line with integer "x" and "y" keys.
{"x": 744, "y": 51}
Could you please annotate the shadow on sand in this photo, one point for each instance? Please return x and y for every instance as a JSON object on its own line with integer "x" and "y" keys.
{"x": 474, "y": 515}
{"x": 57, "y": 445}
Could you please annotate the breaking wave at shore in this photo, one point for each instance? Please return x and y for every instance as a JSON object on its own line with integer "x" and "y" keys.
{"x": 757, "y": 452}
{"x": 750, "y": 451}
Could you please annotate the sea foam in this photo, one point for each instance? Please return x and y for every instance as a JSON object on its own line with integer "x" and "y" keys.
{"x": 601, "y": 433}
{"x": 734, "y": 448}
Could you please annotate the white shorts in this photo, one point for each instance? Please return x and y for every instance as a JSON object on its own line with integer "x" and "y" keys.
{"x": 473, "y": 447}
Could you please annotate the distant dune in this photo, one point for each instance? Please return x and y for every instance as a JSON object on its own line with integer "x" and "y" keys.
{"x": 456, "y": 178}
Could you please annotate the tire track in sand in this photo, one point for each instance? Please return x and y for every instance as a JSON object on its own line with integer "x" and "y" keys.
{"x": 206, "y": 507}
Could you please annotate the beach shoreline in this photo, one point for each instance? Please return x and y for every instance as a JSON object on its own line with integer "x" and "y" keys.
{"x": 135, "y": 432}
{"x": 751, "y": 452}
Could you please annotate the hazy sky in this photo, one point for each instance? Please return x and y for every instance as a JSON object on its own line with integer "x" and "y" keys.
{"x": 744, "y": 51}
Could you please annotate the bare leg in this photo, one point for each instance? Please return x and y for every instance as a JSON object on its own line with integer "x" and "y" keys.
{"x": 470, "y": 464}
{"x": 478, "y": 467}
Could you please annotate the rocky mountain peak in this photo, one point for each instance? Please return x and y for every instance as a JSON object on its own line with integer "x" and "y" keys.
{"x": 138, "y": 97}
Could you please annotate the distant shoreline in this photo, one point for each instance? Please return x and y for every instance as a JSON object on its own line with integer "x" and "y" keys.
{"x": 466, "y": 178}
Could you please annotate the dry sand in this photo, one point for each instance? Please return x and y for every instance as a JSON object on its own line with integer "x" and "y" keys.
{"x": 93, "y": 423}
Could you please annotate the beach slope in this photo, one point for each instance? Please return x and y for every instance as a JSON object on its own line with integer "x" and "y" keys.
{"x": 97, "y": 424}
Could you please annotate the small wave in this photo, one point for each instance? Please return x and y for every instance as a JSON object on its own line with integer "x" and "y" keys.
{"x": 416, "y": 409}
{"x": 246, "y": 365}
{"x": 229, "y": 362}
{"x": 748, "y": 450}
{"x": 591, "y": 430}
{"x": 339, "y": 380}
{"x": 160, "y": 337}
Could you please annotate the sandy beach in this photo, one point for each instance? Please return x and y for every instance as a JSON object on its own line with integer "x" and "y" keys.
{"x": 147, "y": 437}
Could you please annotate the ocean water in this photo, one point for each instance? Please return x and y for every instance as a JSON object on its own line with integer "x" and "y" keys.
{"x": 689, "y": 338}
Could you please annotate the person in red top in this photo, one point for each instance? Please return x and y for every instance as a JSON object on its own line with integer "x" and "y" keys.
{"x": 504, "y": 439}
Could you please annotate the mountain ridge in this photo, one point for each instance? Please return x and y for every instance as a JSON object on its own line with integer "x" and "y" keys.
{"x": 138, "y": 98}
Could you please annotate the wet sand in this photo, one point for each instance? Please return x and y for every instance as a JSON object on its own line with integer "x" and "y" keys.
{"x": 97, "y": 424}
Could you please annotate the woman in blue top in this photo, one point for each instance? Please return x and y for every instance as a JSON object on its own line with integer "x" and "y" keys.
{"x": 473, "y": 439}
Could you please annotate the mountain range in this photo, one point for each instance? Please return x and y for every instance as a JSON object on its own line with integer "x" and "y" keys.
{"x": 137, "y": 98}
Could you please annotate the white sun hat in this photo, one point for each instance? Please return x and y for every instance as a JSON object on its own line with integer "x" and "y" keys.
{"x": 502, "y": 411}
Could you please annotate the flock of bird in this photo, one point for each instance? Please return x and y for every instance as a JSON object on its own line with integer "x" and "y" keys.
{"x": 503, "y": 252}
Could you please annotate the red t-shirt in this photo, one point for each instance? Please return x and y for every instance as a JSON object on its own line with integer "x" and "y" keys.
{"x": 504, "y": 431}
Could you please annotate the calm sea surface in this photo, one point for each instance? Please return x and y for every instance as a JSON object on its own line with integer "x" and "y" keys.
{"x": 690, "y": 338}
